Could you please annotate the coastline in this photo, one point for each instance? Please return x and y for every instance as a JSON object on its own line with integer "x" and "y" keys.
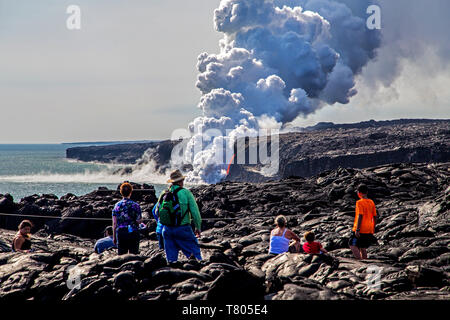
{"x": 413, "y": 230}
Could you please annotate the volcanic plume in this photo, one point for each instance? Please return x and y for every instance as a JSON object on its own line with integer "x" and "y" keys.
{"x": 278, "y": 60}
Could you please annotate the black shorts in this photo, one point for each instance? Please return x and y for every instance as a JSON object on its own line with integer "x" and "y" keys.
{"x": 127, "y": 242}
{"x": 364, "y": 241}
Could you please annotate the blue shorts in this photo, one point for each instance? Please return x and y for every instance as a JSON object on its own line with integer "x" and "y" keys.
{"x": 180, "y": 238}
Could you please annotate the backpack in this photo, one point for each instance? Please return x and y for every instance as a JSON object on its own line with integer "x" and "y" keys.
{"x": 169, "y": 210}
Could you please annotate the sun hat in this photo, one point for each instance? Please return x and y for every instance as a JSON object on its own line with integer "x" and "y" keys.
{"x": 175, "y": 176}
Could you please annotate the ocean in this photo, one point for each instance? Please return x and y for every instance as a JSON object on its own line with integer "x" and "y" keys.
{"x": 27, "y": 169}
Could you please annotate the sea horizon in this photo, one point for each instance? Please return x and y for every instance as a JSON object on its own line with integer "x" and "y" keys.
{"x": 39, "y": 168}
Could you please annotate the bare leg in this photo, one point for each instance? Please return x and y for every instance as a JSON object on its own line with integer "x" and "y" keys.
{"x": 363, "y": 253}
{"x": 356, "y": 252}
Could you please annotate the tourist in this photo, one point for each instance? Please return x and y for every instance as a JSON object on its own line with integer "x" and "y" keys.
{"x": 311, "y": 246}
{"x": 282, "y": 239}
{"x": 159, "y": 226}
{"x": 126, "y": 219}
{"x": 316, "y": 248}
{"x": 22, "y": 240}
{"x": 364, "y": 225}
{"x": 105, "y": 243}
{"x": 175, "y": 211}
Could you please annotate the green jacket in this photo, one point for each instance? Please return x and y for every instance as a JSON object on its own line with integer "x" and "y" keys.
{"x": 187, "y": 201}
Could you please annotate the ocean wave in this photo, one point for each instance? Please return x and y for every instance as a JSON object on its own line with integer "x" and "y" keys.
{"x": 95, "y": 163}
{"x": 106, "y": 176}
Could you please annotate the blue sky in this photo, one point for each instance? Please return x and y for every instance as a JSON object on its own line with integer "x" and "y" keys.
{"x": 130, "y": 72}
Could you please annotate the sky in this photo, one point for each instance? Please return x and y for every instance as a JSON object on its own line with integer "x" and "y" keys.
{"x": 130, "y": 72}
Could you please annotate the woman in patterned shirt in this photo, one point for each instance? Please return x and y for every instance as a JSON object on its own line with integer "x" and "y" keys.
{"x": 126, "y": 219}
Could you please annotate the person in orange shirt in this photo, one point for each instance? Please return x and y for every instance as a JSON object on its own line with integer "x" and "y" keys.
{"x": 364, "y": 225}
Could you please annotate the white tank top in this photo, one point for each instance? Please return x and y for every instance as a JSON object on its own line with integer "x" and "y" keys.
{"x": 279, "y": 244}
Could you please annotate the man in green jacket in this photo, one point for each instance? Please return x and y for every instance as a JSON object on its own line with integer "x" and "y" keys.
{"x": 182, "y": 237}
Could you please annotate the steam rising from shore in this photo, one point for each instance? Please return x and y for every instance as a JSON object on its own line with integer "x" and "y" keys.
{"x": 278, "y": 60}
{"x": 109, "y": 175}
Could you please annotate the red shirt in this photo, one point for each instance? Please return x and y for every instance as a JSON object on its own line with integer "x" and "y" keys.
{"x": 312, "y": 247}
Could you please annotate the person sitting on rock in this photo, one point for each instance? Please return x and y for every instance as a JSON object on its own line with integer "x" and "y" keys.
{"x": 105, "y": 243}
{"x": 176, "y": 209}
{"x": 282, "y": 239}
{"x": 364, "y": 224}
{"x": 126, "y": 219}
{"x": 22, "y": 240}
{"x": 311, "y": 246}
{"x": 315, "y": 247}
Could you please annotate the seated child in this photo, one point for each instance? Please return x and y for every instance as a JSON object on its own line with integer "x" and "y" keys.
{"x": 315, "y": 247}
{"x": 311, "y": 246}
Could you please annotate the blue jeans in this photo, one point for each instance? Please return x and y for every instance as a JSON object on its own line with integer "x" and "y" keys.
{"x": 180, "y": 238}
{"x": 160, "y": 240}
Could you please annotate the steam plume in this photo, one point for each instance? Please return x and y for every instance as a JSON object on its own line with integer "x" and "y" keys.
{"x": 278, "y": 60}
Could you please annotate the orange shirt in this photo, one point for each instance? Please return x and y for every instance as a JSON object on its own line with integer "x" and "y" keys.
{"x": 366, "y": 208}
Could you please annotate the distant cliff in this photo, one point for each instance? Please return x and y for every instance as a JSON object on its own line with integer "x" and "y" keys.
{"x": 312, "y": 150}
{"x": 362, "y": 145}
{"x": 127, "y": 153}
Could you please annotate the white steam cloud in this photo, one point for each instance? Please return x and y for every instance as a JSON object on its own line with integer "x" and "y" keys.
{"x": 109, "y": 175}
{"x": 278, "y": 60}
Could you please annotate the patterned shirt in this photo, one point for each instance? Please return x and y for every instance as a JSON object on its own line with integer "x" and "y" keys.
{"x": 127, "y": 213}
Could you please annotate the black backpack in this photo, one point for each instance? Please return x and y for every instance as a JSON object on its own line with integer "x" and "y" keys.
{"x": 169, "y": 210}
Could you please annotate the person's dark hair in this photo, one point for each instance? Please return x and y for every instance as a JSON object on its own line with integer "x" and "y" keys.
{"x": 281, "y": 221}
{"x": 309, "y": 236}
{"x": 126, "y": 189}
{"x": 25, "y": 223}
{"x": 109, "y": 230}
{"x": 363, "y": 189}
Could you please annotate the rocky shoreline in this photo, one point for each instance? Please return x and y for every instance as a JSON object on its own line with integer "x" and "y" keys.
{"x": 305, "y": 152}
{"x": 364, "y": 145}
{"x": 412, "y": 258}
